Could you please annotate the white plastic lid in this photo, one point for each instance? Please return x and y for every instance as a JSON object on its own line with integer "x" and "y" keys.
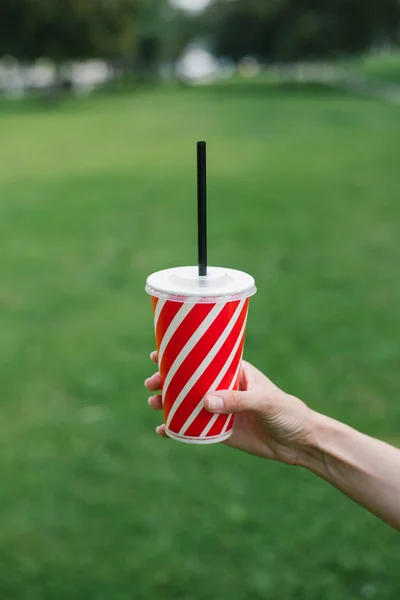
{"x": 183, "y": 284}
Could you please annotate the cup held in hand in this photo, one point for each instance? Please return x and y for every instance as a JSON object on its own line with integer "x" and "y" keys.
{"x": 200, "y": 325}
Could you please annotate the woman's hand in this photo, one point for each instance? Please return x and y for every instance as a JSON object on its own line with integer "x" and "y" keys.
{"x": 269, "y": 423}
{"x": 272, "y": 424}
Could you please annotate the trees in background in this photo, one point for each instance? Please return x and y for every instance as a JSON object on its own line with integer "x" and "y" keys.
{"x": 147, "y": 32}
{"x": 287, "y": 30}
{"x": 138, "y": 34}
{"x": 163, "y": 32}
{"x": 68, "y": 29}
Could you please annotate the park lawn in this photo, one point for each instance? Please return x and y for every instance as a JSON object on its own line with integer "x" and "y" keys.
{"x": 382, "y": 68}
{"x": 96, "y": 194}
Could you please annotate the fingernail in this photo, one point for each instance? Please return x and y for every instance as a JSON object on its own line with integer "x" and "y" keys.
{"x": 145, "y": 382}
{"x": 149, "y": 400}
{"x": 215, "y": 403}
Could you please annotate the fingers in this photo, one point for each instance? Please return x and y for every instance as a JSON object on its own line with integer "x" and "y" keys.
{"x": 161, "y": 431}
{"x": 232, "y": 401}
{"x": 155, "y": 402}
{"x": 153, "y": 383}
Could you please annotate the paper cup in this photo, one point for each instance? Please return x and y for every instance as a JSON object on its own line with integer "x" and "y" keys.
{"x": 200, "y": 326}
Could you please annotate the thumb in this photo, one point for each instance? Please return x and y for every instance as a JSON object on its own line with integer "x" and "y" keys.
{"x": 232, "y": 401}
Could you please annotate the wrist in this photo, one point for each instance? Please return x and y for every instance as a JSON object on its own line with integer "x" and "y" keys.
{"x": 314, "y": 452}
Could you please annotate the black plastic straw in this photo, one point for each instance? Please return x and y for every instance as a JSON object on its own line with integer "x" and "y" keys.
{"x": 202, "y": 207}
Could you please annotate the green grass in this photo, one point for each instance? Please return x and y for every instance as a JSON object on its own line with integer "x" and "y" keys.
{"x": 384, "y": 69}
{"x": 95, "y": 195}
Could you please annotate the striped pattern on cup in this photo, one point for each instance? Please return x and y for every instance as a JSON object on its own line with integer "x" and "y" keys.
{"x": 200, "y": 349}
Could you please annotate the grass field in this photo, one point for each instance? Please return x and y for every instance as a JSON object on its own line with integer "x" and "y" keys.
{"x": 95, "y": 195}
{"x": 384, "y": 69}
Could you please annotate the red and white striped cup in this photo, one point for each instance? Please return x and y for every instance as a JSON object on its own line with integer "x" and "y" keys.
{"x": 200, "y": 325}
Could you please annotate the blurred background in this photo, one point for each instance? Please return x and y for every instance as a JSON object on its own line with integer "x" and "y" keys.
{"x": 101, "y": 104}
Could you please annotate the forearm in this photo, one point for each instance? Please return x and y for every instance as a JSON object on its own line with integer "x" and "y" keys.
{"x": 365, "y": 469}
